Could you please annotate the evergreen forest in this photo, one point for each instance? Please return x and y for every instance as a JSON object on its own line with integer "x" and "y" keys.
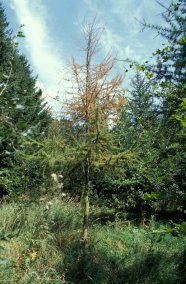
{"x": 96, "y": 195}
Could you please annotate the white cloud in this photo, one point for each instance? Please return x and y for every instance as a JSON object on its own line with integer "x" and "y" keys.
{"x": 45, "y": 57}
{"x": 138, "y": 45}
{"x": 111, "y": 42}
{"x": 121, "y": 35}
{"x": 130, "y": 11}
{"x": 92, "y": 5}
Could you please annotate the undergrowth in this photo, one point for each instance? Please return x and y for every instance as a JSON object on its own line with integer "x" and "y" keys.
{"x": 41, "y": 243}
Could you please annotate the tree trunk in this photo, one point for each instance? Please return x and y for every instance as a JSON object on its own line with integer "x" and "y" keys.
{"x": 86, "y": 199}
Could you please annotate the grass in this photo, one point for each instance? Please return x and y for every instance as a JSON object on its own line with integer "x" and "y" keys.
{"x": 39, "y": 245}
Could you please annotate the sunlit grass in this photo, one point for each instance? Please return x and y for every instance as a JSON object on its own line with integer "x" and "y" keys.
{"x": 42, "y": 244}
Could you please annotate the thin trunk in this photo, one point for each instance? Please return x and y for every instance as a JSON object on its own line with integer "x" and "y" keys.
{"x": 86, "y": 199}
{"x": 87, "y": 158}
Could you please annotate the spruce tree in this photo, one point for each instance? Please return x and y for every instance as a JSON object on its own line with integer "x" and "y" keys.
{"x": 171, "y": 59}
{"x": 170, "y": 68}
{"x": 168, "y": 164}
{"x": 139, "y": 113}
{"x": 29, "y": 112}
{"x": 22, "y": 111}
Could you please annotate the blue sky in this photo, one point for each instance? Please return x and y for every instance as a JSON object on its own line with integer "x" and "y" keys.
{"x": 52, "y": 31}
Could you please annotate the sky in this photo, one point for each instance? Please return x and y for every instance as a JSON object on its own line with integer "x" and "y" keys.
{"x": 52, "y": 30}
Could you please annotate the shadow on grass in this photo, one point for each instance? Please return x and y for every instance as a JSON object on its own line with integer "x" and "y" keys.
{"x": 98, "y": 267}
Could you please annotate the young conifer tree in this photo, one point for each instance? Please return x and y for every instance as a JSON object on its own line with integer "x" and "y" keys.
{"x": 95, "y": 106}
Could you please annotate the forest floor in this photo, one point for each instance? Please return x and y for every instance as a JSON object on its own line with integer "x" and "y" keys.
{"x": 40, "y": 242}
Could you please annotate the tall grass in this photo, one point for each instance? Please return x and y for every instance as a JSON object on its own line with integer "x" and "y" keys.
{"x": 39, "y": 244}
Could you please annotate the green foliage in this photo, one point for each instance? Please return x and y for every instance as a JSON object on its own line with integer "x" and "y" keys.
{"x": 181, "y": 116}
{"x": 171, "y": 63}
{"x": 46, "y": 154}
{"x": 132, "y": 168}
{"x": 22, "y": 111}
{"x": 150, "y": 130}
{"x": 40, "y": 244}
